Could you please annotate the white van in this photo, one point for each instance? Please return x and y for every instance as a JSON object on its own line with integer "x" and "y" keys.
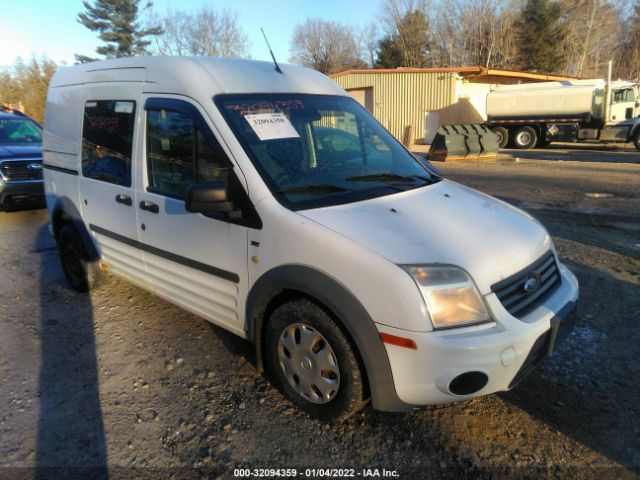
{"x": 273, "y": 205}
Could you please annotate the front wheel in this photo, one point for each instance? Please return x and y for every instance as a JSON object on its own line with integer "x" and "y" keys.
{"x": 312, "y": 361}
{"x": 525, "y": 138}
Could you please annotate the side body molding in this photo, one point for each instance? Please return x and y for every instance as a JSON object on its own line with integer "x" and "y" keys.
{"x": 348, "y": 310}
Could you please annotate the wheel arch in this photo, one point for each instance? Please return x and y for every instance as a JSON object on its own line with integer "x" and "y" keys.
{"x": 294, "y": 281}
{"x": 65, "y": 212}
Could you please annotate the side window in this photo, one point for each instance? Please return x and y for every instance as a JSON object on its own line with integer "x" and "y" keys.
{"x": 179, "y": 154}
{"x": 107, "y": 139}
{"x": 623, "y": 96}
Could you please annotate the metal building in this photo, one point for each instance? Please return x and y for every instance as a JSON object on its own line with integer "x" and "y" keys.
{"x": 425, "y": 98}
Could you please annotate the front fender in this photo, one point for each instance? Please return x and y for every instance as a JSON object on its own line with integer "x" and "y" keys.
{"x": 345, "y": 307}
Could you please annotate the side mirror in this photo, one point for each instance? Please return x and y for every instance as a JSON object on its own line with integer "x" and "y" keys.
{"x": 208, "y": 198}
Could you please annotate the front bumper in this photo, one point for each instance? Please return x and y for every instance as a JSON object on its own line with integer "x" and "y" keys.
{"x": 561, "y": 326}
{"x": 503, "y": 352}
{"x": 16, "y": 195}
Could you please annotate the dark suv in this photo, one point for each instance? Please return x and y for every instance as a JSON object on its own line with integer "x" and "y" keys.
{"x": 21, "y": 182}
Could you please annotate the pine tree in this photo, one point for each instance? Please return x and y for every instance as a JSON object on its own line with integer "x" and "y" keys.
{"x": 540, "y": 36}
{"x": 413, "y": 39}
{"x": 409, "y": 45}
{"x": 388, "y": 54}
{"x": 117, "y": 24}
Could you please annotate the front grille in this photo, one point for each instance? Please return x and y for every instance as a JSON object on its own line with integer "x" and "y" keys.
{"x": 19, "y": 171}
{"x": 511, "y": 291}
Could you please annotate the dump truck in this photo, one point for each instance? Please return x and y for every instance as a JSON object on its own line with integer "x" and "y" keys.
{"x": 535, "y": 114}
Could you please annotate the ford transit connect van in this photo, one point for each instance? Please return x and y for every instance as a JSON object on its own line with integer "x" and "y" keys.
{"x": 273, "y": 205}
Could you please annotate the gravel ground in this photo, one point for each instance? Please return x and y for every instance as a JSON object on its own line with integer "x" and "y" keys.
{"x": 121, "y": 384}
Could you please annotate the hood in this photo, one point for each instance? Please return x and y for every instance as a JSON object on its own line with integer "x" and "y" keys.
{"x": 8, "y": 152}
{"x": 444, "y": 223}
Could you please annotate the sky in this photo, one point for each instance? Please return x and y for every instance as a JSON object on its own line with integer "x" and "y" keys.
{"x": 49, "y": 26}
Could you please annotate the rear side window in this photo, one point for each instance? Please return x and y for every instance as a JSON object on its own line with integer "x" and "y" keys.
{"x": 107, "y": 140}
{"x": 178, "y": 154}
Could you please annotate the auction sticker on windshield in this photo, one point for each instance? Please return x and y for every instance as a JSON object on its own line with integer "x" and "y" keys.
{"x": 271, "y": 126}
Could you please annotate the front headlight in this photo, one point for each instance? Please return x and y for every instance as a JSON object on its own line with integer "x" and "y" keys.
{"x": 451, "y": 296}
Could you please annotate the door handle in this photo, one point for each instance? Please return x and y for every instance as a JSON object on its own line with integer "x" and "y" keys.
{"x": 149, "y": 206}
{"x": 124, "y": 199}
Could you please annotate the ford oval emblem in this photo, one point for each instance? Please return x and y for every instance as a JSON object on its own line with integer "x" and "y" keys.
{"x": 34, "y": 166}
{"x": 532, "y": 283}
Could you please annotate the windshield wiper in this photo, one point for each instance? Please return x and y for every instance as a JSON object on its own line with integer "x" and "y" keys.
{"x": 313, "y": 189}
{"x": 381, "y": 177}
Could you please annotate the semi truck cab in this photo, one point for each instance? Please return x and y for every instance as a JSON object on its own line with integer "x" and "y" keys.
{"x": 625, "y": 105}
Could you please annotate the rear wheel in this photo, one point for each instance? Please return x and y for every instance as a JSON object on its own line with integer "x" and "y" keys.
{"x": 312, "y": 361}
{"x": 502, "y": 136}
{"x": 81, "y": 273}
{"x": 525, "y": 138}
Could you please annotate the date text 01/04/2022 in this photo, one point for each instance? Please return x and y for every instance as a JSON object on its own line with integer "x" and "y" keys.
{"x": 315, "y": 473}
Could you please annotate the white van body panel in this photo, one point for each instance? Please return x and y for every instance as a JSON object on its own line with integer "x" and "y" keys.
{"x": 210, "y": 266}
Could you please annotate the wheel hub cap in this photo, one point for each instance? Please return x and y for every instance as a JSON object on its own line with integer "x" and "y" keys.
{"x": 309, "y": 363}
{"x": 305, "y": 363}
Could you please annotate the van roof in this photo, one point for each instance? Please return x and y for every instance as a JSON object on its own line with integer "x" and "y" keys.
{"x": 208, "y": 75}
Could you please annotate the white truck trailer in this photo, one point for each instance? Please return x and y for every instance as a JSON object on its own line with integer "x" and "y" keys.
{"x": 536, "y": 114}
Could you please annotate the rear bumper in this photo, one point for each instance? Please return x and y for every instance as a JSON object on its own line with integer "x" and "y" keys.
{"x": 16, "y": 195}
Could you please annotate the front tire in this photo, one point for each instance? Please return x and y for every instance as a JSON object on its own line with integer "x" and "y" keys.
{"x": 312, "y": 361}
{"x": 525, "y": 138}
{"x": 81, "y": 273}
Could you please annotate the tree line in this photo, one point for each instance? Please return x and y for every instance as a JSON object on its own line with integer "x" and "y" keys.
{"x": 570, "y": 37}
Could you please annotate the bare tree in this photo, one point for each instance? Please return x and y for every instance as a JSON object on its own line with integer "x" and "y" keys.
{"x": 592, "y": 28}
{"x": 627, "y": 54}
{"x": 205, "y": 32}
{"x": 476, "y": 32}
{"x": 485, "y": 32}
{"x": 368, "y": 40}
{"x": 325, "y": 46}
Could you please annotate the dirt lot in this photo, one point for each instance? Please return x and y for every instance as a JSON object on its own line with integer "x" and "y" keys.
{"x": 122, "y": 384}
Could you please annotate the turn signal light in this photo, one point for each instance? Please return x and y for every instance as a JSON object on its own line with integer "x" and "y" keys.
{"x": 398, "y": 341}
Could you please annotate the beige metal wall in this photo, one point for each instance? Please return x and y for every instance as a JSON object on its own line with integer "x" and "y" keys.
{"x": 402, "y": 98}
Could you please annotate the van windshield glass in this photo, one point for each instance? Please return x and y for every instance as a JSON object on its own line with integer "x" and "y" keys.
{"x": 318, "y": 150}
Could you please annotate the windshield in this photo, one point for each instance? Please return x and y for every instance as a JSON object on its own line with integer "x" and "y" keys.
{"x": 317, "y": 150}
{"x": 19, "y": 131}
